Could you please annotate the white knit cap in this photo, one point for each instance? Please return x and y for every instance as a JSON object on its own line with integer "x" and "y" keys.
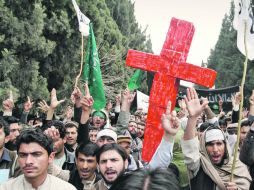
{"x": 107, "y": 133}
{"x": 213, "y": 135}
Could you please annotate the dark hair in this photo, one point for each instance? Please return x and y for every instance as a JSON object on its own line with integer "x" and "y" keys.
{"x": 223, "y": 122}
{"x": 35, "y": 135}
{"x": 112, "y": 146}
{"x": 204, "y": 126}
{"x": 71, "y": 124}
{"x": 5, "y": 126}
{"x": 58, "y": 125}
{"x": 141, "y": 123}
{"x": 245, "y": 123}
{"x": 92, "y": 128}
{"x": 87, "y": 149}
{"x": 11, "y": 119}
{"x": 158, "y": 179}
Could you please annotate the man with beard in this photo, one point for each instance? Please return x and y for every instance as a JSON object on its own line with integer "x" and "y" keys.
{"x": 99, "y": 119}
{"x": 35, "y": 153}
{"x": 210, "y": 164}
{"x": 15, "y": 129}
{"x": 125, "y": 126}
{"x": 141, "y": 129}
{"x": 112, "y": 162}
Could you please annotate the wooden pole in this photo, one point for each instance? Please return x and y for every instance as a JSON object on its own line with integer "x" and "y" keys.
{"x": 241, "y": 105}
{"x": 81, "y": 62}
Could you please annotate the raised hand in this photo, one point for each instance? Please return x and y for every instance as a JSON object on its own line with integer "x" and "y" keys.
{"x": 8, "y": 104}
{"x": 53, "y": 99}
{"x": 109, "y": 106}
{"x": 87, "y": 100}
{"x": 194, "y": 106}
{"x": 118, "y": 99}
{"x": 43, "y": 106}
{"x": 182, "y": 104}
{"x": 53, "y": 133}
{"x": 170, "y": 123}
{"x": 76, "y": 95}
{"x": 236, "y": 99}
{"x": 28, "y": 105}
{"x": 127, "y": 98}
{"x": 220, "y": 103}
{"x": 68, "y": 113}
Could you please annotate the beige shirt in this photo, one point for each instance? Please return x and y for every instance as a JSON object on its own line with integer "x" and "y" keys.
{"x": 50, "y": 183}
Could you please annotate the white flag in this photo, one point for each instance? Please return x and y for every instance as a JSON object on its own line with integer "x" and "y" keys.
{"x": 244, "y": 13}
{"x": 83, "y": 21}
{"x": 142, "y": 101}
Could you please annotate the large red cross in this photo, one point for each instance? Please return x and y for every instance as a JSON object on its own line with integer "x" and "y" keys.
{"x": 170, "y": 66}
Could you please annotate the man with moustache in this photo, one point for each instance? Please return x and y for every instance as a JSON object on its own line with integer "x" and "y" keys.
{"x": 35, "y": 153}
{"x": 209, "y": 161}
{"x": 112, "y": 162}
{"x": 85, "y": 176}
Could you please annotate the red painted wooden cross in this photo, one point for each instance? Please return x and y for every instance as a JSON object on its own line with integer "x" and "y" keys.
{"x": 170, "y": 66}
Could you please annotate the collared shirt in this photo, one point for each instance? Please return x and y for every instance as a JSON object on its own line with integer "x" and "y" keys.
{"x": 88, "y": 184}
{"x": 50, "y": 183}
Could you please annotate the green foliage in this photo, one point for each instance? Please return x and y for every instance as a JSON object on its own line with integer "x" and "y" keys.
{"x": 38, "y": 38}
{"x": 227, "y": 60}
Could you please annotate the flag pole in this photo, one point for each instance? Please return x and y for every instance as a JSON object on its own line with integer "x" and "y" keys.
{"x": 241, "y": 104}
{"x": 81, "y": 62}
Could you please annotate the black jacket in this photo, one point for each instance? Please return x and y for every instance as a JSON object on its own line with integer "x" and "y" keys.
{"x": 76, "y": 181}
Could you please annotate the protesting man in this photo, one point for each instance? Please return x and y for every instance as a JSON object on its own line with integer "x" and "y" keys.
{"x": 85, "y": 176}
{"x": 210, "y": 165}
{"x": 35, "y": 153}
{"x": 71, "y": 135}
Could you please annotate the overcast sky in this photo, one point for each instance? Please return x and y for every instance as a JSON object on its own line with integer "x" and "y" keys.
{"x": 206, "y": 15}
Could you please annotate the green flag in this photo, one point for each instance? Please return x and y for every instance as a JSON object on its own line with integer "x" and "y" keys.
{"x": 92, "y": 72}
{"x": 135, "y": 80}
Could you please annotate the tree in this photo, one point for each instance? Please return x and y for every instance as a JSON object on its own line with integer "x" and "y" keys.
{"x": 227, "y": 60}
{"x": 40, "y": 44}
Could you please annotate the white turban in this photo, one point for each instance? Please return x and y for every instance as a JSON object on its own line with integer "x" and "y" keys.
{"x": 213, "y": 135}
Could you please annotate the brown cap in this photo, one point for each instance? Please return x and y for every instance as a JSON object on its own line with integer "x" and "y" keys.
{"x": 123, "y": 138}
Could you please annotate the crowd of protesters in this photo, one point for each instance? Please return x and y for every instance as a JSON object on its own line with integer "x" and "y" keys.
{"x": 101, "y": 150}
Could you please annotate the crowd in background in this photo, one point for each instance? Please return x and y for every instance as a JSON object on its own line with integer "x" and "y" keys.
{"x": 86, "y": 149}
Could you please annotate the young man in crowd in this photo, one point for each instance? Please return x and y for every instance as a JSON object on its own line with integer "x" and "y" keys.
{"x": 106, "y": 136}
{"x": 112, "y": 162}
{"x": 63, "y": 158}
{"x": 71, "y": 135}
{"x": 99, "y": 119}
{"x": 125, "y": 142}
{"x": 93, "y": 131}
{"x": 245, "y": 128}
{"x": 210, "y": 165}
{"x": 15, "y": 129}
{"x": 8, "y": 159}
{"x": 35, "y": 153}
{"x": 141, "y": 130}
{"x": 85, "y": 176}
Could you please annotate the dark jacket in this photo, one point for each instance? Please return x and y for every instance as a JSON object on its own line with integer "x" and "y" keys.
{"x": 69, "y": 163}
{"x": 77, "y": 181}
{"x": 247, "y": 154}
{"x": 202, "y": 181}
